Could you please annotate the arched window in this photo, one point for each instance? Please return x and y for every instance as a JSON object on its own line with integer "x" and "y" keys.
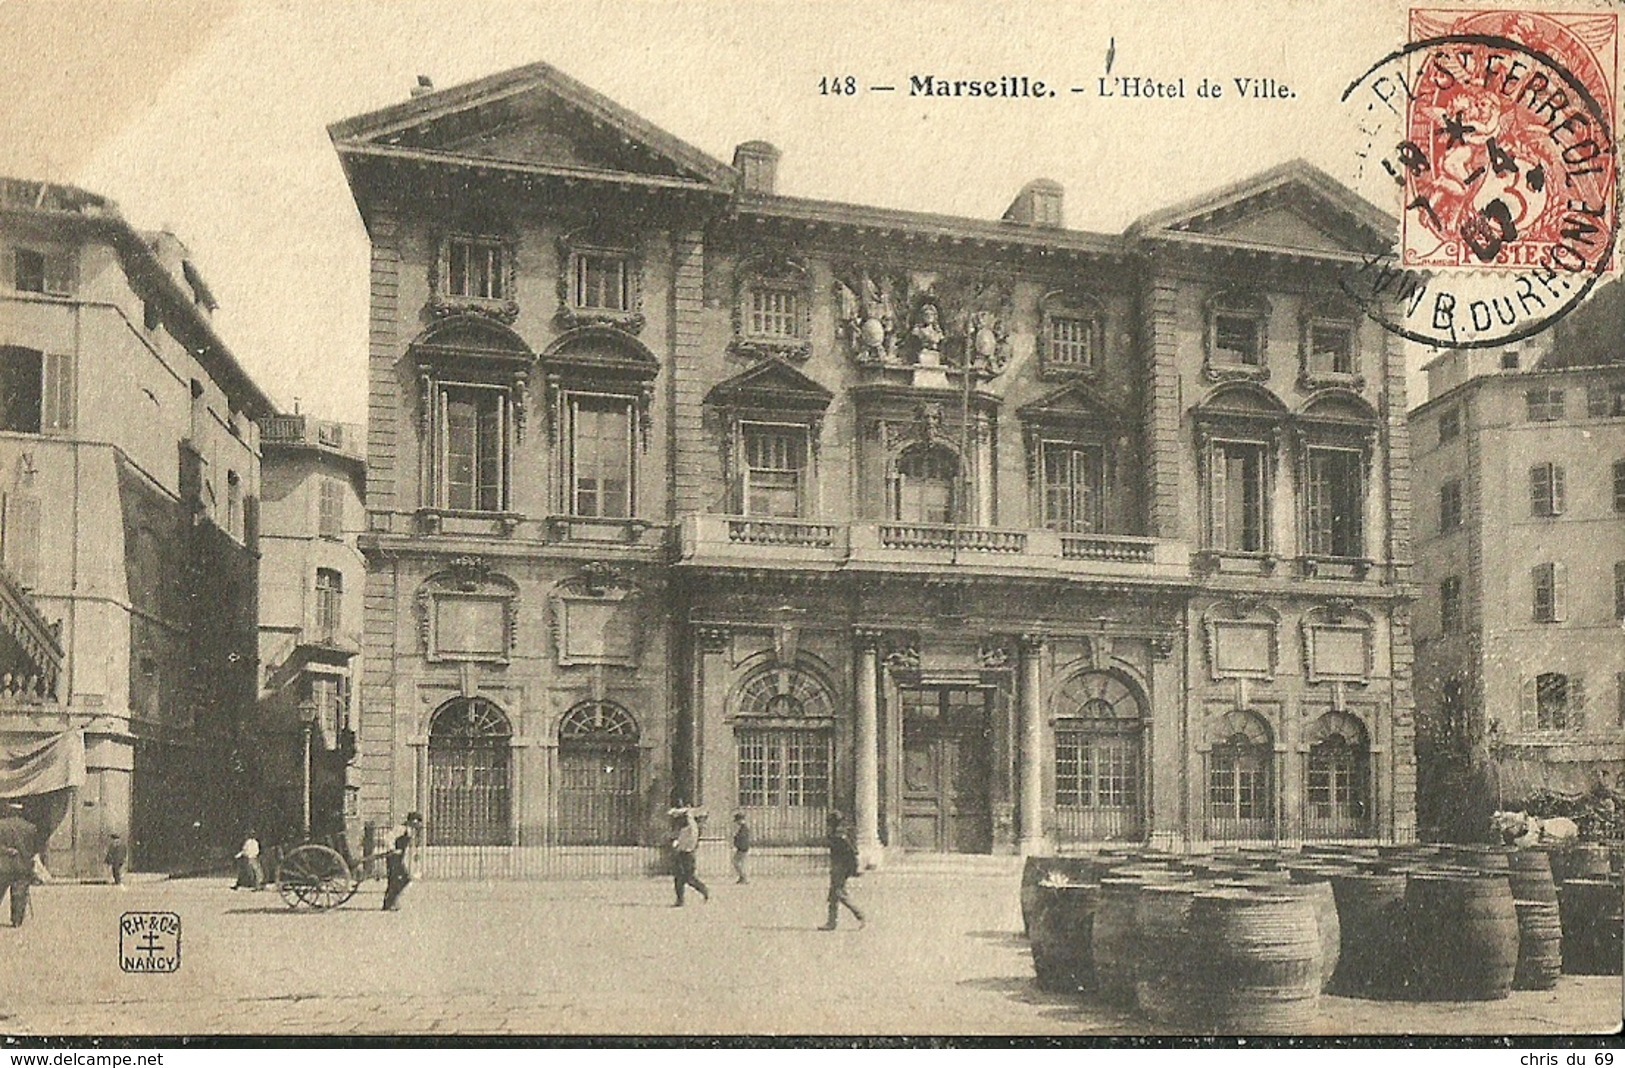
{"x": 598, "y": 775}
{"x": 927, "y": 477}
{"x": 469, "y": 774}
{"x": 1240, "y": 779}
{"x": 784, "y": 745}
{"x": 1338, "y": 779}
{"x": 1098, "y": 769}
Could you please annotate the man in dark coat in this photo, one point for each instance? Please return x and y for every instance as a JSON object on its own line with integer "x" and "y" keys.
{"x": 843, "y": 865}
{"x": 19, "y": 842}
{"x": 399, "y": 861}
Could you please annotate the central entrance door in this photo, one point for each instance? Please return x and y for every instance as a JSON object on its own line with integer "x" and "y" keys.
{"x": 947, "y": 766}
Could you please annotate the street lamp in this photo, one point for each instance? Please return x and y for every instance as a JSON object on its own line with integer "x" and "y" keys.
{"x": 307, "y": 717}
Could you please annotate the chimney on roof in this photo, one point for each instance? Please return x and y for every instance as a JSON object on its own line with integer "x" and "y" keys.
{"x": 425, "y": 85}
{"x": 758, "y": 165}
{"x": 1038, "y": 204}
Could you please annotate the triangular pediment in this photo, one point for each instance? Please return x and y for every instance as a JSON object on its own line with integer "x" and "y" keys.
{"x": 535, "y": 116}
{"x": 1295, "y": 207}
{"x": 771, "y": 383}
{"x": 1074, "y": 402}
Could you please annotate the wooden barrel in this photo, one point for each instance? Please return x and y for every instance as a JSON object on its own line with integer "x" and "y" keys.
{"x": 1253, "y": 964}
{"x": 1160, "y": 916}
{"x": 1583, "y": 860}
{"x": 1115, "y": 947}
{"x": 1540, "y": 946}
{"x": 1037, "y": 869}
{"x": 1590, "y": 911}
{"x": 1462, "y": 935}
{"x": 1482, "y": 857}
{"x": 1063, "y": 925}
{"x": 1318, "y": 889}
{"x": 1371, "y": 920}
{"x": 1530, "y": 876}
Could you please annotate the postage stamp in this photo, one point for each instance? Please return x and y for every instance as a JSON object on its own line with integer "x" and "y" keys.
{"x": 1496, "y": 129}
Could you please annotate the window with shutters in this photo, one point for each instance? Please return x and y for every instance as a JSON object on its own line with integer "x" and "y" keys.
{"x": 20, "y": 538}
{"x": 36, "y": 391}
{"x": 330, "y": 520}
{"x": 1449, "y": 425}
{"x": 1606, "y": 400}
{"x": 329, "y": 603}
{"x": 1237, "y": 506}
{"x": 1074, "y": 488}
{"x": 1619, "y": 485}
{"x": 1450, "y": 605}
{"x": 774, "y": 471}
{"x": 471, "y": 447}
{"x": 1559, "y": 701}
{"x": 1546, "y": 490}
{"x": 1335, "y": 502}
{"x": 1550, "y": 586}
{"x": 1449, "y": 506}
{"x": 1544, "y": 404}
{"x": 599, "y": 455}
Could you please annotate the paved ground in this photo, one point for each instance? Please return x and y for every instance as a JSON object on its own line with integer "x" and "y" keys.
{"x": 939, "y": 956}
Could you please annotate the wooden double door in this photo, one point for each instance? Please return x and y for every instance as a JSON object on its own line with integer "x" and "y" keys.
{"x": 947, "y": 769}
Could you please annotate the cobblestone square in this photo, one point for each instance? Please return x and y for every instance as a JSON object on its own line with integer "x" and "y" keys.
{"x": 940, "y": 956}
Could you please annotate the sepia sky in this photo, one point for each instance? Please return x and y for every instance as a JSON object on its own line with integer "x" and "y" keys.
{"x": 207, "y": 117}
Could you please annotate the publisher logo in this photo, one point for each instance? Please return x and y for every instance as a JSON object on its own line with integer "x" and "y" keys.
{"x": 149, "y": 942}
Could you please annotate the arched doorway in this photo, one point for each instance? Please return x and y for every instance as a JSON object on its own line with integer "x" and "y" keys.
{"x": 470, "y": 767}
{"x": 1241, "y": 779}
{"x": 598, "y": 775}
{"x": 1099, "y": 770}
{"x": 1338, "y": 778}
{"x": 783, "y": 743}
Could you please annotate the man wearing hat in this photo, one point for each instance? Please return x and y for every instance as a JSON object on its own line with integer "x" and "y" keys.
{"x": 19, "y": 842}
{"x": 398, "y": 862}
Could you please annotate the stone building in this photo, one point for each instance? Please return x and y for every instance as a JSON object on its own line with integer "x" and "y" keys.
{"x": 996, "y": 535}
{"x": 129, "y": 468}
{"x": 1520, "y": 479}
{"x": 312, "y": 476}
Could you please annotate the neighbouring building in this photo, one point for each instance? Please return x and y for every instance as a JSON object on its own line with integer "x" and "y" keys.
{"x": 129, "y": 472}
{"x": 996, "y": 535}
{"x": 312, "y": 476}
{"x": 1520, "y": 490}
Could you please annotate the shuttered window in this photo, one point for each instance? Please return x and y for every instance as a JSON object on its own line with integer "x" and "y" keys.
{"x": 1546, "y": 490}
{"x": 330, "y": 523}
{"x": 57, "y": 402}
{"x": 1549, "y": 583}
{"x": 20, "y": 538}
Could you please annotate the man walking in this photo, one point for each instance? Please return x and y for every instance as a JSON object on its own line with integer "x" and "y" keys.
{"x": 19, "y": 844}
{"x": 683, "y": 848}
{"x": 843, "y": 865}
{"x": 400, "y": 860}
{"x": 117, "y": 855}
{"x": 741, "y": 846}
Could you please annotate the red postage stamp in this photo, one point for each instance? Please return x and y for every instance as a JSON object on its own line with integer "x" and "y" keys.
{"x": 1510, "y": 160}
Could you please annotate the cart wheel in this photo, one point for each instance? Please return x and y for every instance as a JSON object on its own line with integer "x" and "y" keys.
{"x": 315, "y": 877}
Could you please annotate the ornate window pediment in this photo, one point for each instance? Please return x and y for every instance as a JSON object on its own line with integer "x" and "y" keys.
{"x": 1071, "y": 335}
{"x": 468, "y": 612}
{"x": 1243, "y": 640}
{"x": 1339, "y": 645}
{"x": 1237, "y": 337}
{"x": 772, "y": 313}
{"x": 772, "y": 418}
{"x": 472, "y": 269}
{"x": 600, "y": 280}
{"x": 595, "y": 619}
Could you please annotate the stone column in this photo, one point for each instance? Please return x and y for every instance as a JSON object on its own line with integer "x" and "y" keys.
{"x": 867, "y": 801}
{"x": 1031, "y": 798}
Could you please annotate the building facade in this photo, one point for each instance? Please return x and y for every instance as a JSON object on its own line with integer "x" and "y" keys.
{"x": 997, "y": 536}
{"x": 129, "y": 464}
{"x": 312, "y": 476}
{"x": 1520, "y": 477}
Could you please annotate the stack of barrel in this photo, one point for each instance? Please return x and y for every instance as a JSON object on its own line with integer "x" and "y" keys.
{"x": 1245, "y": 941}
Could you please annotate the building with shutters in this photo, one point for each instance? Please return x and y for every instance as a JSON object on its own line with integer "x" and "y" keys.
{"x": 129, "y": 473}
{"x": 1520, "y": 490}
{"x": 312, "y": 476}
{"x": 996, "y": 535}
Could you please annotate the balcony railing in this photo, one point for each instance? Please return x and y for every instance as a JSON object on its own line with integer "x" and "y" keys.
{"x": 303, "y": 430}
{"x": 745, "y": 541}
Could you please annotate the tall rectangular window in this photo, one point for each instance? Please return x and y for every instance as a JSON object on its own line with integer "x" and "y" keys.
{"x": 1549, "y": 584}
{"x": 1544, "y": 404}
{"x": 1237, "y": 499}
{"x": 1619, "y": 590}
{"x": 775, "y": 312}
{"x": 20, "y": 389}
{"x": 1606, "y": 400}
{"x": 775, "y": 469}
{"x": 600, "y": 281}
{"x": 329, "y": 603}
{"x": 330, "y": 520}
{"x": 1450, "y": 605}
{"x": 20, "y": 538}
{"x": 600, "y": 457}
{"x": 1546, "y": 490}
{"x": 476, "y": 268}
{"x": 56, "y": 401}
{"x": 1073, "y": 488}
{"x": 234, "y": 504}
{"x": 1336, "y": 499}
{"x": 1449, "y": 506}
{"x": 472, "y": 427}
{"x": 1619, "y": 485}
{"x": 1449, "y": 425}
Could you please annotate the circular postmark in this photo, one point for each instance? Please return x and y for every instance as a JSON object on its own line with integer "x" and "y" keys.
{"x": 1500, "y": 151}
